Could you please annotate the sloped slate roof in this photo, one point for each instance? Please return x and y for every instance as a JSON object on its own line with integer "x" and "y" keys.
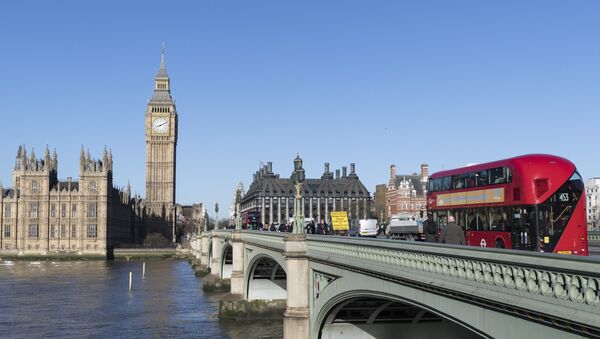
{"x": 64, "y": 185}
{"x": 351, "y": 187}
{"x": 8, "y": 192}
{"x": 162, "y": 97}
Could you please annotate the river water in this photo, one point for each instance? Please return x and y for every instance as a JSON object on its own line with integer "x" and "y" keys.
{"x": 90, "y": 299}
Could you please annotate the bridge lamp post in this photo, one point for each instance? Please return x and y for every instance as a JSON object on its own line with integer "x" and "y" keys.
{"x": 238, "y": 216}
{"x": 298, "y": 178}
{"x": 174, "y": 221}
{"x": 216, "y": 215}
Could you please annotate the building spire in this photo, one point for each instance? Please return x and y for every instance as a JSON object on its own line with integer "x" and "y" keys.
{"x": 162, "y": 59}
{"x": 162, "y": 71}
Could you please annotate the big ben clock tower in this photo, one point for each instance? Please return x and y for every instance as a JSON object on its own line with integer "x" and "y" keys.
{"x": 161, "y": 149}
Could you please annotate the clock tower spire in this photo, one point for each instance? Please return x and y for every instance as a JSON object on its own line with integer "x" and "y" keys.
{"x": 161, "y": 147}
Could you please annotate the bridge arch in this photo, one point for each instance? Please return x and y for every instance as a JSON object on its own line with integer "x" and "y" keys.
{"x": 226, "y": 261}
{"x": 373, "y": 314}
{"x": 265, "y": 278}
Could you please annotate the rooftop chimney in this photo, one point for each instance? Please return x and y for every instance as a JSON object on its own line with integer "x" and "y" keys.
{"x": 424, "y": 170}
{"x": 269, "y": 167}
{"x": 344, "y": 172}
{"x": 337, "y": 173}
{"x": 393, "y": 171}
{"x": 352, "y": 168}
{"x": 326, "y": 167}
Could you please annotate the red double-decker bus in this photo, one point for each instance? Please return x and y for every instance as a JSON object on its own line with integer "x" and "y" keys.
{"x": 531, "y": 202}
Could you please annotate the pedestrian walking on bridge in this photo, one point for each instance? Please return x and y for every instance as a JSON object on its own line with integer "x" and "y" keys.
{"x": 452, "y": 233}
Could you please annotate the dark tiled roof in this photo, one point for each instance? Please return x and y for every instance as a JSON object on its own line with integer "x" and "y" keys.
{"x": 269, "y": 186}
{"x": 64, "y": 185}
{"x": 8, "y": 192}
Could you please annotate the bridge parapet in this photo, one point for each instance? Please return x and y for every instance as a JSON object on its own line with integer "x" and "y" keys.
{"x": 560, "y": 291}
{"x": 594, "y": 238}
{"x": 223, "y": 234}
{"x": 271, "y": 240}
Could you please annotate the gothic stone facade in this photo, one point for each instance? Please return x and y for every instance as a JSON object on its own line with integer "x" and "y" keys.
{"x": 273, "y": 196}
{"x": 42, "y": 215}
{"x": 406, "y": 193}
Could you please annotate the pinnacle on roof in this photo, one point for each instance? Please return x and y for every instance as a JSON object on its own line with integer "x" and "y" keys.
{"x": 162, "y": 71}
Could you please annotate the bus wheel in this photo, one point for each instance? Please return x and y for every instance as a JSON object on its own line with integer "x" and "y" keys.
{"x": 499, "y": 244}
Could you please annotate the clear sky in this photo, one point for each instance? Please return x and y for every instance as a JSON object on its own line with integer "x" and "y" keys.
{"x": 371, "y": 82}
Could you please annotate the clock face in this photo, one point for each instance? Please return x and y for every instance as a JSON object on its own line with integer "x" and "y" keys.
{"x": 160, "y": 125}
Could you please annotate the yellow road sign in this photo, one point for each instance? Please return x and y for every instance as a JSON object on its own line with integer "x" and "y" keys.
{"x": 339, "y": 221}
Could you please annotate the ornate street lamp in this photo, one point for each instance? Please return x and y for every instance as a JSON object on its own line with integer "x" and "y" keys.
{"x": 238, "y": 217}
{"x": 216, "y": 216}
{"x": 297, "y": 179}
{"x": 174, "y": 221}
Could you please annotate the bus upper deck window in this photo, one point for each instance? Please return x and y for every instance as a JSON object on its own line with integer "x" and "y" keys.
{"x": 497, "y": 175}
{"x": 458, "y": 181}
{"x": 507, "y": 174}
{"x": 446, "y": 183}
{"x": 470, "y": 179}
{"x": 482, "y": 178}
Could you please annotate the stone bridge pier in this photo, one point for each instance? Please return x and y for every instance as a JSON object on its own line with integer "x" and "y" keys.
{"x": 296, "y": 317}
{"x": 237, "y": 273}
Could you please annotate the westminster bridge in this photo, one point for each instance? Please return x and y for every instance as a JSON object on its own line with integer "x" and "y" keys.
{"x": 340, "y": 287}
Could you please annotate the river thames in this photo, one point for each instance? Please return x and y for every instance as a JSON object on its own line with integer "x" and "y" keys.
{"x": 90, "y": 299}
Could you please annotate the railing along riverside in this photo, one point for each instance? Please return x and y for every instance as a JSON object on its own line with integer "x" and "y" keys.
{"x": 553, "y": 288}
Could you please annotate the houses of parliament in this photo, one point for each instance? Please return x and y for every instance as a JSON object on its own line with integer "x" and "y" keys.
{"x": 41, "y": 214}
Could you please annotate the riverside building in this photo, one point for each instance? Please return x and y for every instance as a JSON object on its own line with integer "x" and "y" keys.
{"x": 273, "y": 197}
{"x": 407, "y": 193}
{"x": 41, "y": 214}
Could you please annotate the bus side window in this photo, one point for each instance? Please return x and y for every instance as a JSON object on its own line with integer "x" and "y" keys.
{"x": 471, "y": 179}
{"x": 446, "y": 183}
{"x": 458, "y": 181}
{"x": 497, "y": 175}
{"x": 460, "y": 216}
{"x": 471, "y": 220}
{"x": 498, "y": 220}
{"x": 437, "y": 184}
{"x": 482, "y": 178}
{"x": 482, "y": 220}
{"x": 440, "y": 218}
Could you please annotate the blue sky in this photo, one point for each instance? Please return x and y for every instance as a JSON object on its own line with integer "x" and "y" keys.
{"x": 371, "y": 82}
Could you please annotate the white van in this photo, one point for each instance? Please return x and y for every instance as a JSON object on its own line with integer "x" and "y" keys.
{"x": 367, "y": 228}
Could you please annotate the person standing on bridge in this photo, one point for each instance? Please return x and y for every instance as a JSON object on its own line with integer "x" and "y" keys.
{"x": 281, "y": 227}
{"x": 452, "y": 233}
{"x": 430, "y": 227}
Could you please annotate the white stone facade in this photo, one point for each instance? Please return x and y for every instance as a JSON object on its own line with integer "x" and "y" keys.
{"x": 592, "y": 195}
